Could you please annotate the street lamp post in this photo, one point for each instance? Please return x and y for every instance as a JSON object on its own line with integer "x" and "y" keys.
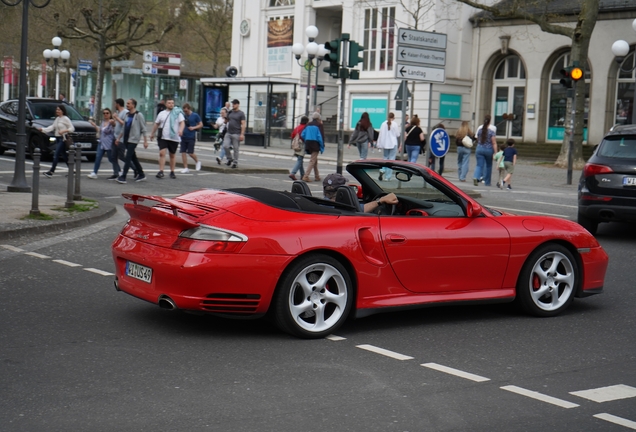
{"x": 56, "y": 55}
{"x": 620, "y": 49}
{"x": 314, "y": 51}
{"x": 19, "y": 183}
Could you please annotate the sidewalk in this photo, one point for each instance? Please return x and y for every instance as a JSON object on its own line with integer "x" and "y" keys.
{"x": 16, "y": 206}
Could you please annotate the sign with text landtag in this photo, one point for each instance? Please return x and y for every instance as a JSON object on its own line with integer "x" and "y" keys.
{"x": 419, "y": 73}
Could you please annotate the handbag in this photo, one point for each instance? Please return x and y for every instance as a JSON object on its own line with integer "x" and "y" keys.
{"x": 68, "y": 141}
{"x": 467, "y": 142}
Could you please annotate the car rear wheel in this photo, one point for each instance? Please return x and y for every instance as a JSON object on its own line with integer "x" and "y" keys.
{"x": 589, "y": 224}
{"x": 548, "y": 281}
{"x": 314, "y": 297}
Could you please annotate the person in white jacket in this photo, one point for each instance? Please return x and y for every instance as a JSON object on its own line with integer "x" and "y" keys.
{"x": 61, "y": 126}
{"x": 388, "y": 142}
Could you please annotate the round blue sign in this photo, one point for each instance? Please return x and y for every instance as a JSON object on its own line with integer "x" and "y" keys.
{"x": 439, "y": 142}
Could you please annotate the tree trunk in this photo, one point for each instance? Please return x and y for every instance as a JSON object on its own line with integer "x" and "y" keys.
{"x": 99, "y": 86}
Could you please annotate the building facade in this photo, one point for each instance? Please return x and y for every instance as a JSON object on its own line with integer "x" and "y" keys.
{"x": 505, "y": 68}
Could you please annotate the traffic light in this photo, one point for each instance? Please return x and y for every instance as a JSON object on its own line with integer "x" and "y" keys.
{"x": 333, "y": 57}
{"x": 355, "y": 51}
{"x": 576, "y": 73}
{"x": 566, "y": 78}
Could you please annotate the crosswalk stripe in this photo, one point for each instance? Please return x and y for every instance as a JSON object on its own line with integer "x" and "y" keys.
{"x": 616, "y": 420}
{"x": 539, "y": 396}
{"x": 99, "y": 272}
{"x": 456, "y": 372}
{"x": 67, "y": 263}
{"x": 384, "y": 352}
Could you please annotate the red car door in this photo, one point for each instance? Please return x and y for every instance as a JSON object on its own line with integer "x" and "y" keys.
{"x": 446, "y": 254}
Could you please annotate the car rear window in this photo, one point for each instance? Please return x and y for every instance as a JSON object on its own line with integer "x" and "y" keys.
{"x": 622, "y": 147}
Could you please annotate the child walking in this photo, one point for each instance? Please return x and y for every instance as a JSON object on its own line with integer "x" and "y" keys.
{"x": 510, "y": 160}
{"x": 498, "y": 158}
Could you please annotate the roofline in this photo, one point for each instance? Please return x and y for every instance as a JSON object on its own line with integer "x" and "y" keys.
{"x": 250, "y": 80}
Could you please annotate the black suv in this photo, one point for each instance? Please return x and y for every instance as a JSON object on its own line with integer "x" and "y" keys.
{"x": 607, "y": 189}
{"x": 41, "y": 113}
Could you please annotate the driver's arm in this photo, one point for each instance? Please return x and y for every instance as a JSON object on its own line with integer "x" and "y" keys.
{"x": 386, "y": 199}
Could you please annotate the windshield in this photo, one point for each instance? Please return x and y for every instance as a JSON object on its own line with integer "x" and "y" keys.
{"x": 623, "y": 147}
{"x": 408, "y": 183}
{"x": 46, "y": 111}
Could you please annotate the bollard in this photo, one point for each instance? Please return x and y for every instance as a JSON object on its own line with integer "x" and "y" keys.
{"x": 69, "y": 185}
{"x": 35, "y": 211}
{"x": 78, "y": 172}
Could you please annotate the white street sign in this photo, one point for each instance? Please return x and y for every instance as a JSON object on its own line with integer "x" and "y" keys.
{"x": 83, "y": 72}
{"x": 131, "y": 71}
{"x": 421, "y": 56}
{"x": 123, "y": 63}
{"x": 118, "y": 77}
{"x": 421, "y": 39}
{"x": 419, "y": 73}
{"x": 162, "y": 57}
{"x": 161, "y": 69}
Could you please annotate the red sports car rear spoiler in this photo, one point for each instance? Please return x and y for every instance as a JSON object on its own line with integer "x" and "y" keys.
{"x": 173, "y": 204}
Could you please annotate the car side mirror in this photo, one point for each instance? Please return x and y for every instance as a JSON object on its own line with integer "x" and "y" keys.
{"x": 473, "y": 209}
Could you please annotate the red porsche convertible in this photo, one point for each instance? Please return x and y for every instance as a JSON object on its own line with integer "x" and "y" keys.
{"x": 311, "y": 263}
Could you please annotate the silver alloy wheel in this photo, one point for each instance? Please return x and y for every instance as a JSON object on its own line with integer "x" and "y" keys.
{"x": 551, "y": 281}
{"x": 318, "y": 297}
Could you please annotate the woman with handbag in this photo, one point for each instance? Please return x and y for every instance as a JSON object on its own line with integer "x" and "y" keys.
{"x": 464, "y": 142}
{"x": 414, "y": 139}
{"x": 61, "y": 126}
{"x": 106, "y": 138}
{"x": 362, "y": 136}
{"x": 299, "y": 148}
{"x": 486, "y": 145}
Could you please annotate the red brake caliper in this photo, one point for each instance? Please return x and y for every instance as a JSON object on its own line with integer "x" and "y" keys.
{"x": 536, "y": 282}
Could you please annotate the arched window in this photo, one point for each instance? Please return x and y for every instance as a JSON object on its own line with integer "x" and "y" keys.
{"x": 509, "y": 91}
{"x": 558, "y": 100}
{"x": 625, "y": 88}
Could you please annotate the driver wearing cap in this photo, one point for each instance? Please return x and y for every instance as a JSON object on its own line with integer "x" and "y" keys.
{"x": 333, "y": 181}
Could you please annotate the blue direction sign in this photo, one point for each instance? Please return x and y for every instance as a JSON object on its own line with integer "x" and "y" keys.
{"x": 85, "y": 66}
{"x": 440, "y": 142}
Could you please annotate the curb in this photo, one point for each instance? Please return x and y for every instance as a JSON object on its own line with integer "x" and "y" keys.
{"x": 103, "y": 212}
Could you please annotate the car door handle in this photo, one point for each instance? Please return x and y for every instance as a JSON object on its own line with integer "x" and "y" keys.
{"x": 395, "y": 238}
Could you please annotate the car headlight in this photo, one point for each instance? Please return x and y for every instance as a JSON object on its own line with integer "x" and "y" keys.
{"x": 52, "y": 139}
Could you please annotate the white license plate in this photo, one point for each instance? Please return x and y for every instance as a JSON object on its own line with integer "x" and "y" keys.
{"x": 85, "y": 145}
{"x": 138, "y": 271}
{"x": 629, "y": 181}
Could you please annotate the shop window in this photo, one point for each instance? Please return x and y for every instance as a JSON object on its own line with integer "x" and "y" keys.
{"x": 274, "y": 3}
{"x": 625, "y": 89}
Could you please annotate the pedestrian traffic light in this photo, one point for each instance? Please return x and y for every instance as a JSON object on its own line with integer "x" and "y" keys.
{"x": 355, "y": 50}
{"x": 566, "y": 78}
{"x": 333, "y": 57}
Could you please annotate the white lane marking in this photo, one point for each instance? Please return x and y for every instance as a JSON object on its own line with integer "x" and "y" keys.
{"x": 548, "y": 204}
{"x": 67, "y": 263}
{"x": 456, "y": 372}
{"x": 616, "y": 420}
{"x": 37, "y": 255}
{"x": 528, "y": 211}
{"x": 335, "y": 338}
{"x": 99, "y": 272}
{"x": 12, "y": 248}
{"x": 606, "y": 394}
{"x": 384, "y": 352}
{"x": 539, "y": 396}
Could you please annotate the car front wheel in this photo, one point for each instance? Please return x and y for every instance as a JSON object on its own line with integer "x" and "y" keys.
{"x": 548, "y": 281}
{"x": 314, "y": 297}
{"x": 589, "y": 224}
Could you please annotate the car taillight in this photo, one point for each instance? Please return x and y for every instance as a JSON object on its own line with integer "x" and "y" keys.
{"x": 210, "y": 240}
{"x": 594, "y": 169}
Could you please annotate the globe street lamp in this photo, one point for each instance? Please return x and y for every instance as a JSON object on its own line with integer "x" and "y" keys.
{"x": 56, "y": 55}
{"x": 314, "y": 52}
{"x": 620, "y": 49}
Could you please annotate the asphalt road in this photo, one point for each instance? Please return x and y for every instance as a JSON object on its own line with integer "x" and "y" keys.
{"x": 77, "y": 355}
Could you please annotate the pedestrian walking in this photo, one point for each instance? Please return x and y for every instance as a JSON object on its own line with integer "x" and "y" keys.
{"x": 134, "y": 129}
{"x": 414, "y": 139}
{"x": 235, "y": 133}
{"x": 106, "y": 139}
{"x": 314, "y": 138}
{"x": 192, "y": 124}
{"x": 61, "y": 126}
{"x": 362, "y": 136}
{"x": 463, "y": 152}
{"x": 498, "y": 159}
{"x": 486, "y": 145}
{"x": 510, "y": 160}
{"x": 221, "y": 125}
{"x": 170, "y": 124}
{"x": 388, "y": 143}
{"x": 298, "y": 146}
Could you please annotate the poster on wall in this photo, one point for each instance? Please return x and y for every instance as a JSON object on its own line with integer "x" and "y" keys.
{"x": 280, "y": 37}
{"x": 376, "y": 108}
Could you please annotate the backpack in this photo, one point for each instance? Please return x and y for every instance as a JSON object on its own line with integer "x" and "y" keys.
{"x": 296, "y": 143}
